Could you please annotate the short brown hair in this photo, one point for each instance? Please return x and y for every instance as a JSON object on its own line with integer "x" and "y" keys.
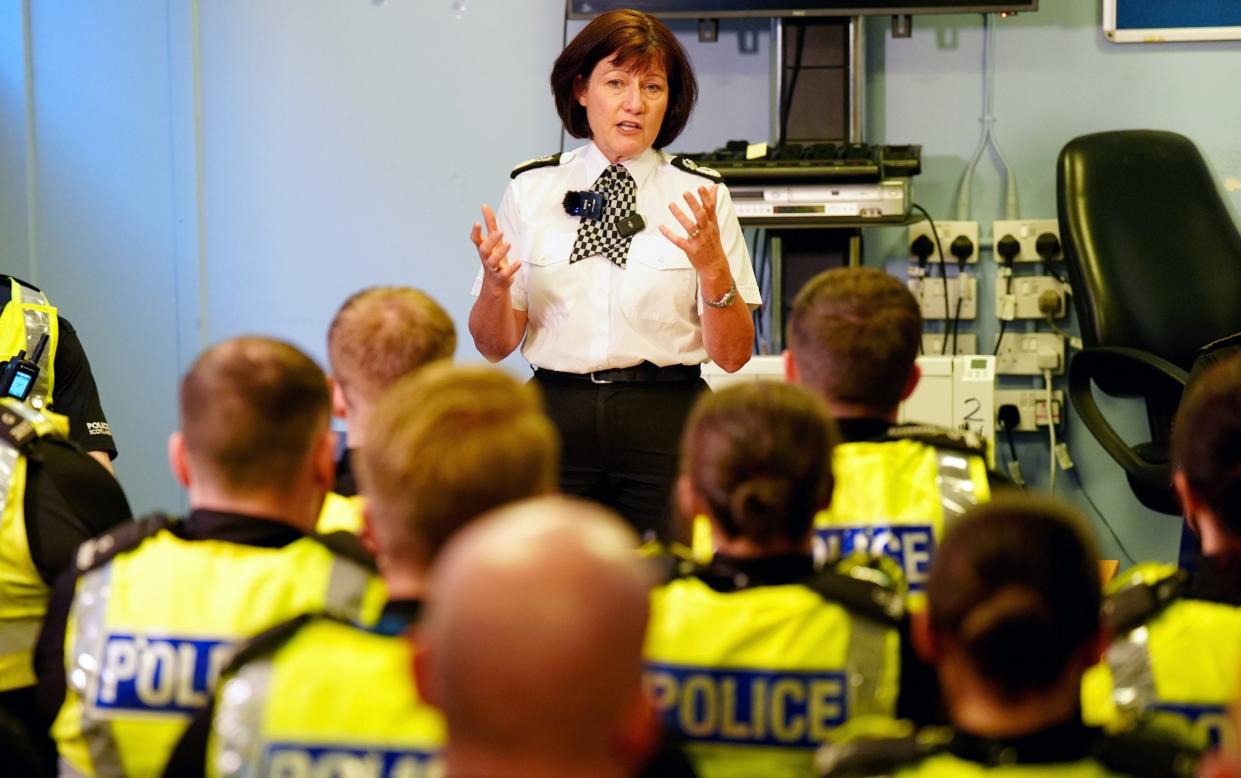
{"x": 640, "y": 42}
{"x": 252, "y": 410}
{"x": 384, "y": 332}
{"x": 760, "y": 455}
{"x": 1206, "y": 441}
{"x": 854, "y": 334}
{"x": 448, "y": 443}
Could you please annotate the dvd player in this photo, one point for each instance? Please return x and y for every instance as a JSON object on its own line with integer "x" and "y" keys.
{"x": 882, "y": 202}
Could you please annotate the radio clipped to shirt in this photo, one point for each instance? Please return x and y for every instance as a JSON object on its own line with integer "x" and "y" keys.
{"x": 18, "y": 375}
{"x": 589, "y": 205}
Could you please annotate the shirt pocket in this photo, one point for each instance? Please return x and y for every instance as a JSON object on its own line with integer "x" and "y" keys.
{"x": 659, "y": 282}
{"x": 551, "y": 285}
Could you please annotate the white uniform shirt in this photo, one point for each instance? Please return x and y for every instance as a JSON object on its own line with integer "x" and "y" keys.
{"x": 593, "y": 315}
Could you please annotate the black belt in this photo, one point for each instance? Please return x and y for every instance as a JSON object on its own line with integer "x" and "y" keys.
{"x": 644, "y": 373}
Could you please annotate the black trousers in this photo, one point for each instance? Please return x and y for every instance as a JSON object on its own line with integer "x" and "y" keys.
{"x": 621, "y": 443}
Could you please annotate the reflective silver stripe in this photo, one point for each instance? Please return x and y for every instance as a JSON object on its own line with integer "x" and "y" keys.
{"x": 238, "y": 722}
{"x": 38, "y": 323}
{"x": 8, "y": 464}
{"x": 865, "y": 662}
{"x": 956, "y": 487}
{"x": 89, "y": 613}
{"x": 346, "y": 589}
{"x": 66, "y": 770}
{"x": 1133, "y": 682}
{"x": 18, "y": 635}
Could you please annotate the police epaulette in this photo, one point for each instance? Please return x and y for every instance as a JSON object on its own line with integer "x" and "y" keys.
{"x": 939, "y": 437}
{"x": 670, "y": 567}
{"x": 690, "y": 166}
{"x": 551, "y": 160}
{"x": 1147, "y": 753}
{"x": 125, "y": 537}
{"x": 349, "y": 546}
{"x": 1137, "y": 603}
{"x": 864, "y": 598}
{"x": 872, "y": 756}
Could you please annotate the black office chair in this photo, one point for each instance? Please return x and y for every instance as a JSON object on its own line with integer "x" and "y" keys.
{"x": 1155, "y": 261}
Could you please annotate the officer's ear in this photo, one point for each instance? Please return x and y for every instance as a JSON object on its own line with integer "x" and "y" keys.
{"x": 926, "y": 643}
{"x": 367, "y": 536}
{"x": 915, "y": 375}
{"x": 323, "y": 461}
{"x": 689, "y": 503}
{"x": 178, "y": 460}
{"x": 340, "y": 409}
{"x": 790, "y": 367}
{"x": 638, "y": 733}
{"x": 579, "y": 90}
{"x": 424, "y": 678}
{"x": 1190, "y": 504}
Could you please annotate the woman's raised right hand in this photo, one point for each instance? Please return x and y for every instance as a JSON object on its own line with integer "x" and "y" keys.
{"x": 498, "y": 269}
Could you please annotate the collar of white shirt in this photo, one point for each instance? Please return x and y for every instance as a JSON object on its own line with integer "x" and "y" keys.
{"x": 640, "y": 167}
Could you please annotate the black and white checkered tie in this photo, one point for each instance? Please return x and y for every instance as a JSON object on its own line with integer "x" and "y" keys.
{"x": 602, "y": 238}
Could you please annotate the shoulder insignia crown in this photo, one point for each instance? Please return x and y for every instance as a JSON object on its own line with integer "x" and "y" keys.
{"x": 690, "y": 166}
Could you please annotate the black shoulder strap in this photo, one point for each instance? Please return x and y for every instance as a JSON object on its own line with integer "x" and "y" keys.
{"x": 872, "y": 756}
{"x": 940, "y": 437}
{"x": 1147, "y": 753}
{"x": 126, "y": 537}
{"x": 270, "y": 639}
{"x": 864, "y": 598}
{"x": 1138, "y": 603}
{"x": 551, "y": 160}
{"x": 690, "y": 166}
{"x": 349, "y": 546}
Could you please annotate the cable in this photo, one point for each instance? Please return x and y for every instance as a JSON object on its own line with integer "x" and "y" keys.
{"x": 943, "y": 272}
{"x": 787, "y": 108}
{"x": 1051, "y": 431}
{"x": 965, "y": 188}
{"x": 1106, "y": 524}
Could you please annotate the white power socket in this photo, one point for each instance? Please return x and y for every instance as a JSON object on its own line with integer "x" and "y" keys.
{"x": 1033, "y": 406}
{"x": 1018, "y": 354}
{"x": 1022, "y": 302}
{"x": 1026, "y": 232}
{"x": 930, "y": 294}
{"x": 948, "y": 232}
{"x": 933, "y": 343}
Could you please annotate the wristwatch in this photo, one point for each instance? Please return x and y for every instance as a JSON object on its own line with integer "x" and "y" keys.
{"x": 726, "y": 300}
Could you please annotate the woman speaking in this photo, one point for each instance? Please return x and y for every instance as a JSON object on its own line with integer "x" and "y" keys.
{"x": 617, "y": 267}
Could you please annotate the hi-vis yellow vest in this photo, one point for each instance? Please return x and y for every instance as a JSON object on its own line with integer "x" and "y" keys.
{"x": 896, "y": 498}
{"x": 26, "y": 318}
{"x": 340, "y": 514}
{"x": 753, "y": 680}
{"x": 324, "y": 698}
{"x": 154, "y": 620}
{"x": 23, "y": 593}
{"x": 1174, "y": 662}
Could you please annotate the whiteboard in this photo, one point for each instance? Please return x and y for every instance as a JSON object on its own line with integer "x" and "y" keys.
{"x": 1159, "y": 21}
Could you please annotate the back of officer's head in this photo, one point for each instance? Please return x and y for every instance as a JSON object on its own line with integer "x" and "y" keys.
{"x": 253, "y": 412}
{"x": 853, "y": 334}
{"x": 758, "y": 458}
{"x": 534, "y": 632}
{"x": 1015, "y": 587}
{"x": 383, "y": 333}
{"x": 1206, "y": 445}
{"x": 446, "y": 444}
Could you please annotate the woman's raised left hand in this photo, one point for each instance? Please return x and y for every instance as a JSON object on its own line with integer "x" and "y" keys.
{"x": 701, "y": 243}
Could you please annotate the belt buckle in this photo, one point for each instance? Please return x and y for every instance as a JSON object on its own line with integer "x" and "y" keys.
{"x": 595, "y": 380}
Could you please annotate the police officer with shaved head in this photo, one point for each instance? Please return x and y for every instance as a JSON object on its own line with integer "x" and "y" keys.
{"x": 138, "y": 631}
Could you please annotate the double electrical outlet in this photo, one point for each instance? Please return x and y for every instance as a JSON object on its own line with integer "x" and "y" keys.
{"x": 1032, "y": 403}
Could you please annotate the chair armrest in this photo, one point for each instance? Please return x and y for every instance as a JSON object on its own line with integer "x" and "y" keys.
{"x": 1121, "y": 372}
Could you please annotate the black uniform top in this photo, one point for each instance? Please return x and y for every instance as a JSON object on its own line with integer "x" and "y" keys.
{"x": 74, "y": 393}
{"x": 346, "y": 482}
{"x": 49, "y": 661}
{"x": 876, "y": 430}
